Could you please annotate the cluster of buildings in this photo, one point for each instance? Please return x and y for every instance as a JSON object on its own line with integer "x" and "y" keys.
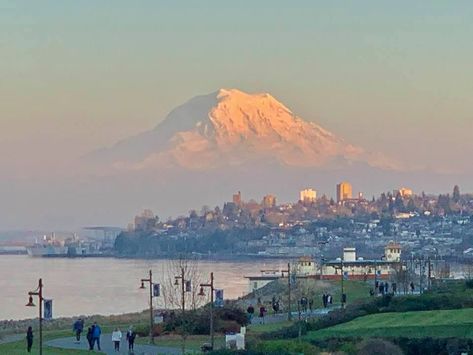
{"x": 318, "y": 227}
{"x": 349, "y": 267}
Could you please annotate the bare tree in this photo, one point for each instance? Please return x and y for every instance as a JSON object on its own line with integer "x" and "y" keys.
{"x": 171, "y": 287}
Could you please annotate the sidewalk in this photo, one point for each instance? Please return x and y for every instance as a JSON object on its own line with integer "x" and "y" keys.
{"x": 108, "y": 348}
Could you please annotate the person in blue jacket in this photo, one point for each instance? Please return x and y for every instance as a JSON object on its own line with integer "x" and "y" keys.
{"x": 96, "y": 332}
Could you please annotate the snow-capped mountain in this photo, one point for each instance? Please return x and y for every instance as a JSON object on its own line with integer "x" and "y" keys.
{"x": 233, "y": 128}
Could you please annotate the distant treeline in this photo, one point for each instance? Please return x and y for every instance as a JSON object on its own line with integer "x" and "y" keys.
{"x": 146, "y": 244}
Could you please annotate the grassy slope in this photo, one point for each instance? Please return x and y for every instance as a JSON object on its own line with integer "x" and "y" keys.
{"x": 443, "y": 323}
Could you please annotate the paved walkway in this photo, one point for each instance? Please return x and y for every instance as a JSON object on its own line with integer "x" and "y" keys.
{"x": 108, "y": 348}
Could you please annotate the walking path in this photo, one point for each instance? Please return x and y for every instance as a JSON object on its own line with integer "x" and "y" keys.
{"x": 108, "y": 348}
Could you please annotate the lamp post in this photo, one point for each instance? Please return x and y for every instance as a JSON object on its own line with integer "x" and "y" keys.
{"x": 201, "y": 293}
{"x": 183, "y": 290}
{"x": 183, "y": 303}
{"x": 38, "y": 292}
{"x": 151, "y": 323}
{"x": 342, "y": 277}
{"x": 289, "y": 314}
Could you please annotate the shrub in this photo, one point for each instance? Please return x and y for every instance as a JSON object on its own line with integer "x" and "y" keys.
{"x": 378, "y": 347}
{"x": 286, "y": 347}
{"x": 440, "y": 346}
{"x": 289, "y": 332}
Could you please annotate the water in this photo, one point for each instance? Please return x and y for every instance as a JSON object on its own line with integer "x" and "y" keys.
{"x": 103, "y": 285}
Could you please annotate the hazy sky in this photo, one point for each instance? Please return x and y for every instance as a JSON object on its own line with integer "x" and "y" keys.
{"x": 391, "y": 76}
{"x": 395, "y": 77}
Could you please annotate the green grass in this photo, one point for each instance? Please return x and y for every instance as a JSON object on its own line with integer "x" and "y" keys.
{"x": 438, "y": 324}
{"x": 269, "y": 327}
{"x": 19, "y": 348}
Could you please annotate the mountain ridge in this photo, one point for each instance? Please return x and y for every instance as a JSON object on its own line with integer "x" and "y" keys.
{"x": 231, "y": 127}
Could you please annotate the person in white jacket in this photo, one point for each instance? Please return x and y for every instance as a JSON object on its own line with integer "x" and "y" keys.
{"x": 116, "y": 338}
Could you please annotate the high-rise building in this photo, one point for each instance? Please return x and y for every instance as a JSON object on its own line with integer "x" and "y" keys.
{"x": 308, "y": 195}
{"x": 344, "y": 191}
{"x": 237, "y": 198}
{"x": 404, "y": 192}
{"x": 269, "y": 201}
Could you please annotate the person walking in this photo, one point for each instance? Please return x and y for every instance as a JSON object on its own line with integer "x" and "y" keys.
{"x": 96, "y": 333}
{"x": 116, "y": 338}
{"x": 262, "y": 312}
{"x": 78, "y": 327}
{"x": 29, "y": 339}
{"x": 89, "y": 336}
{"x": 251, "y": 311}
{"x": 324, "y": 300}
{"x": 130, "y": 337}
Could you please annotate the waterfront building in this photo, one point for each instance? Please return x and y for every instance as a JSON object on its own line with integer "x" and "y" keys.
{"x": 357, "y": 268}
{"x": 308, "y": 195}
{"x": 344, "y": 191}
{"x": 304, "y": 268}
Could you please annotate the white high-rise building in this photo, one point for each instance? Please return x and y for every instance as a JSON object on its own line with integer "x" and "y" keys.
{"x": 308, "y": 195}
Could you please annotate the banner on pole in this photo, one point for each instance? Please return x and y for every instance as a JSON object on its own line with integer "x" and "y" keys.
{"x": 48, "y": 309}
{"x": 219, "y": 298}
{"x": 345, "y": 275}
{"x": 188, "y": 286}
{"x": 293, "y": 278}
{"x": 156, "y": 290}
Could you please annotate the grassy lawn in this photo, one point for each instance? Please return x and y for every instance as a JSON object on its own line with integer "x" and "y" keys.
{"x": 19, "y": 348}
{"x": 262, "y": 328}
{"x": 439, "y": 323}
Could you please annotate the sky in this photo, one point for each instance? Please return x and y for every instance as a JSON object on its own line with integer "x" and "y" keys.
{"x": 393, "y": 77}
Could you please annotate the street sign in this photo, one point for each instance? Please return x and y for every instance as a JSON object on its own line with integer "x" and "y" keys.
{"x": 48, "y": 309}
{"x": 219, "y": 298}
{"x": 156, "y": 290}
{"x": 188, "y": 286}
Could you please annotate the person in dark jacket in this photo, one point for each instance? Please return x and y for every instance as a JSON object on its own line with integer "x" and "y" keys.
{"x": 251, "y": 311}
{"x": 78, "y": 327}
{"x": 130, "y": 337}
{"x": 262, "y": 313}
{"x": 90, "y": 332}
{"x": 29, "y": 339}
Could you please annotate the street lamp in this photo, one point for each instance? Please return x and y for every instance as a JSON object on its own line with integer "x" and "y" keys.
{"x": 183, "y": 302}
{"x": 142, "y": 287}
{"x": 183, "y": 289}
{"x": 201, "y": 293}
{"x": 38, "y": 292}
{"x": 289, "y": 314}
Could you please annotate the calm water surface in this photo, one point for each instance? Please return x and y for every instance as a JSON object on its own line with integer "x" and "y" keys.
{"x": 102, "y": 285}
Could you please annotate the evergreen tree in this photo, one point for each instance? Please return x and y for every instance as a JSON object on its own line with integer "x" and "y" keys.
{"x": 456, "y": 194}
